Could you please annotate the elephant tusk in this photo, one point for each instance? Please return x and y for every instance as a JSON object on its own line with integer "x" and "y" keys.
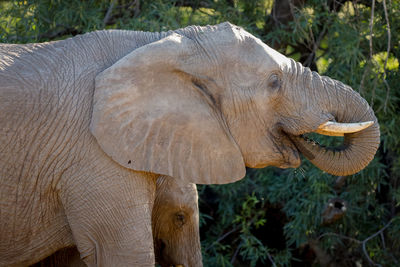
{"x": 339, "y": 129}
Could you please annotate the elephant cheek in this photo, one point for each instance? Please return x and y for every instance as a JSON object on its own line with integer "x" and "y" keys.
{"x": 278, "y": 151}
{"x": 258, "y": 166}
{"x": 261, "y": 160}
{"x": 255, "y": 159}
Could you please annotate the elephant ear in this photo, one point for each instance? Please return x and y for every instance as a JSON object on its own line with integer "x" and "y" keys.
{"x": 149, "y": 115}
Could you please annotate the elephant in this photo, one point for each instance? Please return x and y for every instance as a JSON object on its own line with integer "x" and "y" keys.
{"x": 175, "y": 219}
{"x": 67, "y": 257}
{"x": 89, "y": 123}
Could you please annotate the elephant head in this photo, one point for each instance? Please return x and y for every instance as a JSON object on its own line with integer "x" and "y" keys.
{"x": 204, "y": 102}
{"x": 175, "y": 221}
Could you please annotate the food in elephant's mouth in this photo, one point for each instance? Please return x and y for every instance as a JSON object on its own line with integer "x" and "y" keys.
{"x": 313, "y": 141}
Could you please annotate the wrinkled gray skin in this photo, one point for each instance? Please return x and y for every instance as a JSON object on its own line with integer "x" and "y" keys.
{"x": 67, "y": 257}
{"x": 175, "y": 224}
{"x": 89, "y": 123}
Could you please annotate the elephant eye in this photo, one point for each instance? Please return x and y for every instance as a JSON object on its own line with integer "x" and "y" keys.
{"x": 179, "y": 219}
{"x": 274, "y": 81}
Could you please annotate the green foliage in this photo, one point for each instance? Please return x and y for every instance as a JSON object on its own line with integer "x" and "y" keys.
{"x": 276, "y": 216}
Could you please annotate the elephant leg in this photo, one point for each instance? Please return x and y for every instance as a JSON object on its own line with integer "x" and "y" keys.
{"x": 110, "y": 215}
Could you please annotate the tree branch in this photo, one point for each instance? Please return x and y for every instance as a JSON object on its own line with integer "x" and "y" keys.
{"x": 223, "y": 237}
{"x": 363, "y": 243}
{"x": 387, "y": 55}
{"x": 107, "y": 17}
{"x": 270, "y": 259}
{"x": 233, "y": 259}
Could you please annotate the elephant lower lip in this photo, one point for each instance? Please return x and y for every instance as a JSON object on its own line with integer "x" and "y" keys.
{"x": 290, "y": 154}
{"x": 258, "y": 166}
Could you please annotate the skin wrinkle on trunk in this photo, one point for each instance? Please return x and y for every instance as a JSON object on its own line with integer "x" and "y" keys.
{"x": 342, "y": 105}
{"x": 358, "y": 148}
{"x": 306, "y": 102}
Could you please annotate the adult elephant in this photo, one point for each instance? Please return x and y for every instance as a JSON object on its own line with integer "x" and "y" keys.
{"x": 89, "y": 123}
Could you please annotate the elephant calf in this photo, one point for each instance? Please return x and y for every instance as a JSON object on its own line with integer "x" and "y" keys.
{"x": 175, "y": 229}
{"x": 88, "y": 124}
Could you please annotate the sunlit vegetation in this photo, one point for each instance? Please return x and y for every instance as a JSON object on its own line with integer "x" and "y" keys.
{"x": 277, "y": 217}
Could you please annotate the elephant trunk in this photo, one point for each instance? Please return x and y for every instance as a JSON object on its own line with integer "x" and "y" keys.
{"x": 182, "y": 252}
{"x": 358, "y": 148}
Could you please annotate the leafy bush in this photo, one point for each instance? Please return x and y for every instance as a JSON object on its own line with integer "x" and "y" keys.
{"x": 277, "y": 217}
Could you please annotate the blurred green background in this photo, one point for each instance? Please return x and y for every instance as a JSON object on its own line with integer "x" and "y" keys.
{"x": 277, "y": 217}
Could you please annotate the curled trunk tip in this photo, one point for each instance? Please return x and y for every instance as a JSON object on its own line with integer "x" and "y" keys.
{"x": 355, "y": 121}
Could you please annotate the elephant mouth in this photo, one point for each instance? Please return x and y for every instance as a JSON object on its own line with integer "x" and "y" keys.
{"x": 300, "y": 148}
{"x": 290, "y": 154}
{"x": 159, "y": 251}
{"x": 161, "y": 257}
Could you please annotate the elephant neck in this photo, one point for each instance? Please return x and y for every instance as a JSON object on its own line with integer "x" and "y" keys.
{"x": 108, "y": 46}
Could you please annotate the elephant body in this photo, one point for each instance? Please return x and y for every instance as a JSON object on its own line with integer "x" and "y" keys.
{"x": 88, "y": 125}
{"x": 52, "y": 169}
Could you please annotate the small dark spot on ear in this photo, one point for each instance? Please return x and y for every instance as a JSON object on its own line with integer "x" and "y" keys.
{"x": 129, "y": 162}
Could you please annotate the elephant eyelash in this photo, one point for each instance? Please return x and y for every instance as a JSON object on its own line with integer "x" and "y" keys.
{"x": 274, "y": 81}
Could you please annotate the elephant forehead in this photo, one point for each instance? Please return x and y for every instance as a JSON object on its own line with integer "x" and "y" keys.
{"x": 275, "y": 57}
{"x": 174, "y": 193}
{"x": 176, "y": 187}
{"x": 268, "y": 58}
{"x": 254, "y": 59}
